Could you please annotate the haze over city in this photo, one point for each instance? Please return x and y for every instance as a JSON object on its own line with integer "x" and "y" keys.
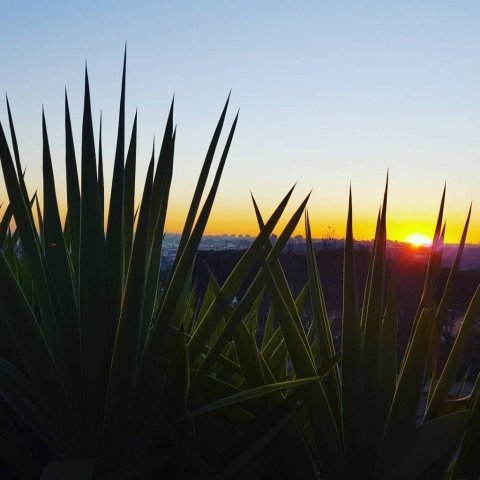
{"x": 331, "y": 94}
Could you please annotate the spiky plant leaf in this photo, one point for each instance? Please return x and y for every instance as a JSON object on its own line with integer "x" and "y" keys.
{"x": 58, "y": 264}
{"x": 222, "y": 301}
{"x": 354, "y": 399}
{"x": 372, "y": 330}
{"x": 201, "y": 183}
{"x": 129, "y": 196}
{"x": 324, "y": 339}
{"x": 423, "y": 446}
{"x": 15, "y": 452}
{"x": 280, "y": 277}
{"x": 37, "y": 358}
{"x": 461, "y": 386}
{"x": 174, "y": 289}
{"x": 73, "y": 193}
{"x": 94, "y": 292}
{"x": 35, "y": 264}
{"x": 6, "y": 218}
{"x": 124, "y": 369}
{"x": 74, "y": 469}
{"x": 444, "y": 306}
{"x": 114, "y": 241}
{"x": 321, "y": 419}
{"x": 388, "y": 366}
{"x": 450, "y": 370}
{"x": 21, "y": 180}
{"x": 403, "y": 413}
{"x": 101, "y": 186}
{"x": 268, "y": 333}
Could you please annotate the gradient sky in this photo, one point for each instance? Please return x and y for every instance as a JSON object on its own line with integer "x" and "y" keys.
{"x": 331, "y": 93}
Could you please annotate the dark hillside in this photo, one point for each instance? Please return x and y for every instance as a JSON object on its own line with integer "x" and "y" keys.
{"x": 408, "y": 270}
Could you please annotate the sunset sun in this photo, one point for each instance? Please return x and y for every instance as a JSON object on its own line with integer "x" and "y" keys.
{"x": 418, "y": 239}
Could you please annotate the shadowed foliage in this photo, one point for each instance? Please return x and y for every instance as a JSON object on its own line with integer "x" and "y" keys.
{"x": 107, "y": 374}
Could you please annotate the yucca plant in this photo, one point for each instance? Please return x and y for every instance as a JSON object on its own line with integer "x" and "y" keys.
{"x": 101, "y": 368}
{"x": 364, "y": 421}
{"x": 106, "y": 375}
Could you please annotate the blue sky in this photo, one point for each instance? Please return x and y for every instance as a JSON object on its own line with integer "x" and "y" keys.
{"x": 329, "y": 93}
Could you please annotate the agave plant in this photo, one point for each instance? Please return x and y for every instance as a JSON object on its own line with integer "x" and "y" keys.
{"x": 103, "y": 374}
{"x": 365, "y": 422}
{"x": 100, "y": 366}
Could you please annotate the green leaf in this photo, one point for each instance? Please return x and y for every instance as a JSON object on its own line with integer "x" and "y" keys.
{"x": 254, "y": 448}
{"x": 246, "y": 349}
{"x": 21, "y": 181}
{"x": 176, "y": 385}
{"x": 453, "y": 406}
{"x": 123, "y": 374}
{"x": 324, "y": 337}
{"x": 57, "y": 260}
{"x": 161, "y": 182}
{"x": 7, "y": 217}
{"x": 223, "y": 299}
{"x": 233, "y": 317}
{"x": 181, "y": 446}
{"x": 73, "y": 469}
{"x": 94, "y": 297}
{"x": 449, "y": 373}
{"x": 172, "y": 295}
{"x": 433, "y": 382}
{"x": 161, "y": 189}
{"x": 11, "y": 256}
{"x": 354, "y": 406}
{"x": 174, "y": 290}
{"x": 114, "y": 241}
{"x": 37, "y": 358}
{"x": 200, "y": 187}
{"x": 459, "y": 391}
{"x": 403, "y": 413}
{"x": 278, "y": 362}
{"x": 35, "y": 260}
{"x": 147, "y": 465}
{"x": 280, "y": 276}
{"x": 388, "y": 365}
{"x": 41, "y": 225}
{"x": 15, "y": 452}
{"x": 33, "y": 416}
{"x": 372, "y": 331}
{"x": 251, "y": 394}
{"x": 323, "y": 425}
{"x": 277, "y": 337}
{"x": 368, "y": 283}
{"x": 6, "y": 346}
{"x": 268, "y": 333}
{"x": 129, "y": 195}
{"x": 73, "y": 193}
{"x": 468, "y": 453}
{"x": 444, "y": 306}
{"x": 101, "y": 187}
{"x": 12, "y": 376}
{"x": 153, "y": 270}
{"x": 424, "y": 446}
{"x": 435, "y": 253}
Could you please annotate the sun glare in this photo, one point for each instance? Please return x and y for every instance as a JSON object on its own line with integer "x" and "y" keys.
{"x": 418, "y": 239}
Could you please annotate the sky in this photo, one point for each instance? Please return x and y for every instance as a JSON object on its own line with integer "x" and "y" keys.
{"x": 331, "y": 94}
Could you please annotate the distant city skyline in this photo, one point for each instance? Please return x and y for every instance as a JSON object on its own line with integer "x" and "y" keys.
{"x": 470, "y": 257}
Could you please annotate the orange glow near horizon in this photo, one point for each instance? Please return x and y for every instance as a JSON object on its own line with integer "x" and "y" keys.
{"x": 243, "y": 222}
